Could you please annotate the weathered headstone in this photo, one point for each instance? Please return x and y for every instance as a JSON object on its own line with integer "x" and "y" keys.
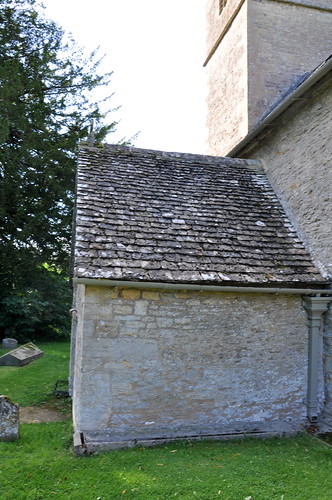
{"x": 9, "y": 419}
{"x": 21, "y": 356}
{"x": 9, "y": 343}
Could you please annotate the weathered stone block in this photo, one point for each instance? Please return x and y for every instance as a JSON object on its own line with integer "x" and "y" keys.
{"x": 9, "y": 343}
{"x": 111, "y": 293}
{"x": 9, "y": 419}
{"x": 131, "y": 294}
{"x": 21, "y": 356}
{"x": 121, "y": 308}
{"x": 151, "y": 295}
{"x": 141, "y": 308}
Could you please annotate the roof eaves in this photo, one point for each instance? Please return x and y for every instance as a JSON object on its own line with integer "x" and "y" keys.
{"x": 281, "y": 288}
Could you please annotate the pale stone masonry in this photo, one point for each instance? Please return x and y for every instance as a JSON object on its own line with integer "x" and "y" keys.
{"x": 157, "y": 364}
{"x": 296, "y": 150}
{"x": 157, "y": 354}
{"x": 257, "y": 49}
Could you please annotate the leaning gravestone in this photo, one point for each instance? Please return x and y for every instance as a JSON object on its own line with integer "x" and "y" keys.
{"x": 9, "y": 344}
{"x": 9, "y": 419}
{"x": 21, "y": 356}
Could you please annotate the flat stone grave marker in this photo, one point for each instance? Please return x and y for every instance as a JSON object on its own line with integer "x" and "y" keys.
{"x": 9, "y": 343}
{"x": 9, "y": 419}
{"x": 21, "y": 356}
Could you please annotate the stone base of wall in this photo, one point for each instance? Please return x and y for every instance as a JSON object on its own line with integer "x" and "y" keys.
{"x": 88, "y": 442}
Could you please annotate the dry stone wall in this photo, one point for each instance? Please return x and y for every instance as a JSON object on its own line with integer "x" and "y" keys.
{"x": 153, "y": 361}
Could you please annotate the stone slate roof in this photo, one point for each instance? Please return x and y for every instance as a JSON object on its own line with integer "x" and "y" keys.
{"x": 145, "y": 215}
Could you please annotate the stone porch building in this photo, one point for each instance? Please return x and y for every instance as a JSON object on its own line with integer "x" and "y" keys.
{"x": 190, "y": 319}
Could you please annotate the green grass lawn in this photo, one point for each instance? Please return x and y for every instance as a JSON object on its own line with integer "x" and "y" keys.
{"x": 33, "y": 384}
{"x": 42, "y": 465}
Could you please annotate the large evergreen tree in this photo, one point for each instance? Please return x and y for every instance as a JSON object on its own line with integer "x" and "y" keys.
{"x": 45, "y": 110}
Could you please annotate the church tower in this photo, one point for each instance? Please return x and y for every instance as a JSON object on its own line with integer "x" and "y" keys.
{"x": 256, "y": 51}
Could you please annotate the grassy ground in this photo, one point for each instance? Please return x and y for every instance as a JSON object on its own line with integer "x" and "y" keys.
{"x": 41, "y": 464}
{"x": 33, "y": 384}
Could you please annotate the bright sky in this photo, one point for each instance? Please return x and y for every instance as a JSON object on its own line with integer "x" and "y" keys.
{"x": 156, "y": 50}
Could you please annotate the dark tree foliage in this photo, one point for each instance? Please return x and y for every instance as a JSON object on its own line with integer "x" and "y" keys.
{"x": 45, "y": 110}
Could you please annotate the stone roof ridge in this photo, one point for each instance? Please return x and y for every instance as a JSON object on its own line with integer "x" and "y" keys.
{"x": 188, "y": 158}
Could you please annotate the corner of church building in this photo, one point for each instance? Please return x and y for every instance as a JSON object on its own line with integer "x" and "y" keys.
{"x": 212, "y": 316}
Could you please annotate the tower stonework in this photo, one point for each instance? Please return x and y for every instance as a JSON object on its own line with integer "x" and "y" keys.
{"x": 256, "y": 51}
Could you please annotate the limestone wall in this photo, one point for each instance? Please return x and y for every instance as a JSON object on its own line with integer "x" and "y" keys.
{"x": 283, "y": 44}
{"x": 254, "y": 59}
{"x": 227, "y": 99}
{"x": 297, "y": 156}
{"x": 217, "y": 23}
{"x": 157, "y": 361}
